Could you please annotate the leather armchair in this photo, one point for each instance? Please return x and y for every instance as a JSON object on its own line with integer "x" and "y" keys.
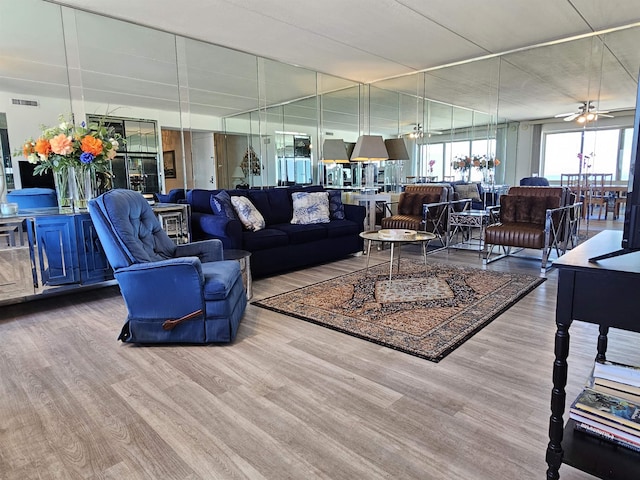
{"x": 173, "y": 293}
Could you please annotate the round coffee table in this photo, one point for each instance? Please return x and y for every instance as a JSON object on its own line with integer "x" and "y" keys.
{"x": 423, "y": 238}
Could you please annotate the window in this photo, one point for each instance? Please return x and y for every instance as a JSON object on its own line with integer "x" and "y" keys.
{"x": 605, "y": 151}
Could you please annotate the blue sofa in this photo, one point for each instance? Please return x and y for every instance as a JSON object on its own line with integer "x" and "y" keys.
{"x": 281, "y": 246}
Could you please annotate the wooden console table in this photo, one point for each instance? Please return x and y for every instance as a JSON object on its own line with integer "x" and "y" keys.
{"x": 604, "y": 293}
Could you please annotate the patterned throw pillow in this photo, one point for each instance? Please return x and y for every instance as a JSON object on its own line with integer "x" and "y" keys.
{"x": 467, "y": 190}
{"x": 310, "y": 208}
{"x": 248, "y": 214}
{"x": 221, "y": 205}
{"x": 336, "y": 208}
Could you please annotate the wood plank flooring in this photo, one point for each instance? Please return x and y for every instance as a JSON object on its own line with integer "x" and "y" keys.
{"x": 288, "y": 399}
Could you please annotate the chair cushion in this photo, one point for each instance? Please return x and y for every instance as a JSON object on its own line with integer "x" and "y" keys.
{"x": 467, "y": 190}
{"x": 310, "y": 208}
{"x": 539, "y": 207}
{"x": 341, "y": 228}
{"x": 523, "y": 208}
{"x": 248, "y": 214}
{"x": 508, "y": 208}
{"x": 221, "y": 205}
{"x": 137, "y": 228}
{"x": 336, "y": 208}
{"x": 303, "y": 233}
{"x": 263, "y": 239}
{"x": 219, "y": 277}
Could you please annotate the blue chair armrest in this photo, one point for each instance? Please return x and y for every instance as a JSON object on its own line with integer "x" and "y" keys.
{"x": 206, "y": 250}
{"x": 165, "y": 289}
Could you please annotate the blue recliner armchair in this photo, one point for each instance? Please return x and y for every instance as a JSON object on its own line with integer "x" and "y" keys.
{"x": 173, "y": 293}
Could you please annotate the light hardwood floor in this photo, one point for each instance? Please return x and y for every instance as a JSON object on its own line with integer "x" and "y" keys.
{"x": 288, "y": 399}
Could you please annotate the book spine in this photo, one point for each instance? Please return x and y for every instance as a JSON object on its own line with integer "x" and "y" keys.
{"x": 604, "y": 435}
{"x": 617, "y": 372}
{"x": 586, "y": 417}
{"x": 608, "y": 406}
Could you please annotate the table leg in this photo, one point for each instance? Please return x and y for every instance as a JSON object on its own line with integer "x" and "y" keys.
{"x": 424, "y": 255}
{"x": 368, "y": 254}
{"x": 391, "y": 261}
{"x": 602, "y": 344}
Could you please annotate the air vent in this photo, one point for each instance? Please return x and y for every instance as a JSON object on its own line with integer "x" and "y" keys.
{"x": 328, "y": 134}
{"x": 26, "y": 103}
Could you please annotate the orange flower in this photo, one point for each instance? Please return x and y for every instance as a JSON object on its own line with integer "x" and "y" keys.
{"x": 91, "y": 145}
{"x": 43, "y": 147}
{"x": 61, "y": 144}
{"x": 28, "y": 149}
{"x": 496, "y": 162}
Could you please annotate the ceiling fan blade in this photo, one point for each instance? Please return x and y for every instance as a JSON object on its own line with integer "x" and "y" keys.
{"x": 571, "y": 117}
{"x": 602, "y": 114}
{"x": 560, "y": 115}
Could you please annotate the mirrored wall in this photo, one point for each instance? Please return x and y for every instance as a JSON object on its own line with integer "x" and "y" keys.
{"x": 225, "y": 118}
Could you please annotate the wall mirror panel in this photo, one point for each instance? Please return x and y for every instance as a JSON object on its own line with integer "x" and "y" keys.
{"x": 210, "y": 104}
{"x": 34, "y": 81}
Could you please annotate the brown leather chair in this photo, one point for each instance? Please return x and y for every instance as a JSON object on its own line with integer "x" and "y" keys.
{"x": 535, "y": 218}
{"x": 422, "y": 207}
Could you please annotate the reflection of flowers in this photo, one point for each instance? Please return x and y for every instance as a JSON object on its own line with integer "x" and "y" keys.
{"x": 484, "y": 162}
{"x": 251, "y": 163}
{"x": 67, "y": 145}
{"x": 431, "y": 164}
{"x": 462, "y": 163}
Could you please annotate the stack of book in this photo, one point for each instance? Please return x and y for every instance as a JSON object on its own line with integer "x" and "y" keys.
{"x": 609, "y": 406}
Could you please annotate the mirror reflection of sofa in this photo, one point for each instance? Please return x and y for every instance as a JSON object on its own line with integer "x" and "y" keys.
{"x": 281, "y": 245}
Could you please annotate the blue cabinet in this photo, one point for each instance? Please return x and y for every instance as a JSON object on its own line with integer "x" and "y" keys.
{"x": 69, "y": 251}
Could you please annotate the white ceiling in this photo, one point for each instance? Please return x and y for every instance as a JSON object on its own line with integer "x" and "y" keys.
{"x": 359, "y": 40}
{"x": 367, "y": 40}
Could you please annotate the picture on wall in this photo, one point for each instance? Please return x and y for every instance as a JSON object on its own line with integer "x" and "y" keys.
{"x": 169, "y": 160}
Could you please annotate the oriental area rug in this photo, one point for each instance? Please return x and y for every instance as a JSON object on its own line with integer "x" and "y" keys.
{"x": 423, "y": 312}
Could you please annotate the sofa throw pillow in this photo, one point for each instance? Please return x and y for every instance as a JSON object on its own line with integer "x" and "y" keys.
{"x": 310, "y": 207}
{"x": 221, "y": 205}
{"x": 247, "y": 213}
{"x": 336, "y": 208}
{"x": 467, "y": 190}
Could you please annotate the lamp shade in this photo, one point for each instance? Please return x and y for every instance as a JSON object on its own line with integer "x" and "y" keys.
{"x": 396, "y": 149}
{"x": 238, "y": 173}
{"x": 369, "y": 148}
{"x": 334, "y": 151}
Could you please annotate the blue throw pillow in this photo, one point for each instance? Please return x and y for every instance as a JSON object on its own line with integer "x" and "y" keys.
{"x": 221, "y": 205}
{"x": 336, "y": 208}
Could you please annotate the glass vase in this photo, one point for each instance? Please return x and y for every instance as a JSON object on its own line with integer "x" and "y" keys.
{"x": 84, "y": 188}
{"x": 64, "y": 189}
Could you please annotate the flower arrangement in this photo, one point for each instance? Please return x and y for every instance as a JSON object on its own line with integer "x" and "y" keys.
{"x": 483, "y": 162}
{"x": 462, "y": 163}
{"x": 431, "y": 164}
{"x": 67, "y": 145}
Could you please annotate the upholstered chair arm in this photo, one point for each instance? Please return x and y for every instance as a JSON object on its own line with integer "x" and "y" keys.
{"x": 165, "y": 289}
{"x": 206, "y": 250}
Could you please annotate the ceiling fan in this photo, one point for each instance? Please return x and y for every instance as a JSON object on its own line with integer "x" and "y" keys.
{"x": 418, "y": 132}
{"x": 586, "y": 113}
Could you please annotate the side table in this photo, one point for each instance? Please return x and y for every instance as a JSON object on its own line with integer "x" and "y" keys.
{"x": 468, "y": 219}
{"x": 242, "y": 256}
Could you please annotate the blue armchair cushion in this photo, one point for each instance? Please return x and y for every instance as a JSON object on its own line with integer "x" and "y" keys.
{"x": 219, "y": 277}
{"x": 336, "y": 208}
{"x": 140, "y": 235}
{"x": 221, "y": 205}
